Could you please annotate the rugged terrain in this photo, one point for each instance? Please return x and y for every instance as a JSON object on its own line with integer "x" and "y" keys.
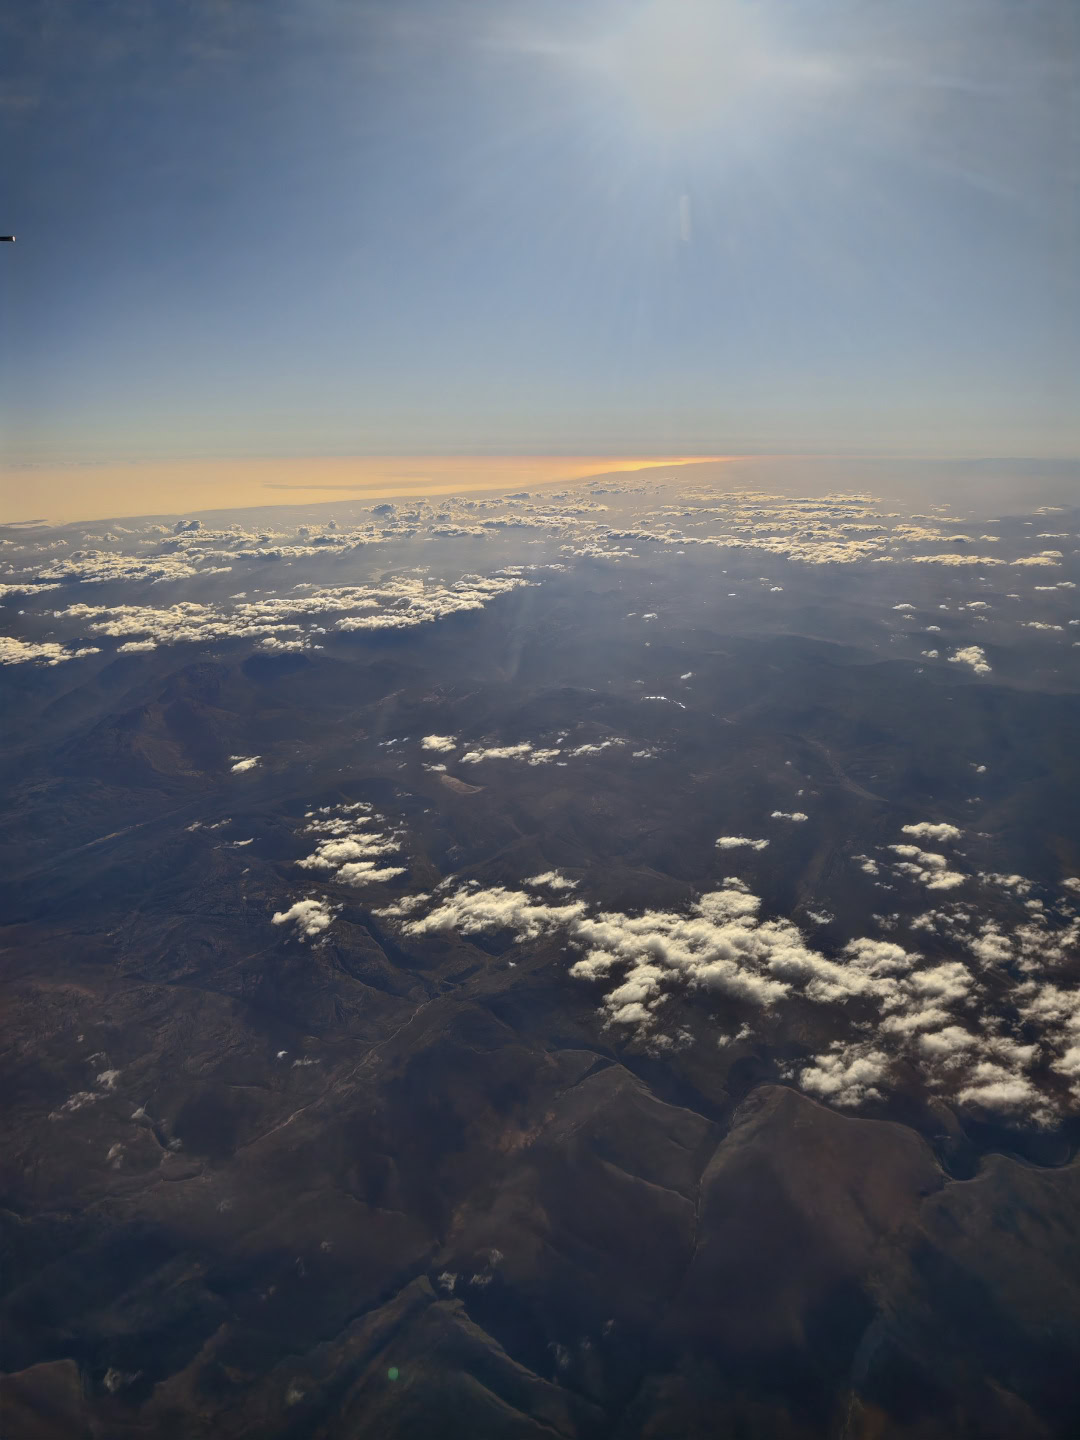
{"x": 377, "y": 1063}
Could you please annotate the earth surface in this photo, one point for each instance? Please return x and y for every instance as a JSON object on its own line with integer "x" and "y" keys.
{"x": 596, "y": 962}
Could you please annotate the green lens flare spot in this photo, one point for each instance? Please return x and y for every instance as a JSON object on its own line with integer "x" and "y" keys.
{"x": 393, "y": 1373}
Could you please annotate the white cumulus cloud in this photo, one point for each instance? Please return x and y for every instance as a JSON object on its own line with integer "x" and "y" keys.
{"x": 310, "y": 917}
{"x": 971, "y": 655}
{"x": 443, "y": 744}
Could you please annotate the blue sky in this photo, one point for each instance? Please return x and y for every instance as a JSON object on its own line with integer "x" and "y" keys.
{"x": 745, "y": 225}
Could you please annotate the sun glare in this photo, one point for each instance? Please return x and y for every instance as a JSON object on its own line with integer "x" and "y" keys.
{"x": 686, "y": 65}
{"x": 681, "y": 70}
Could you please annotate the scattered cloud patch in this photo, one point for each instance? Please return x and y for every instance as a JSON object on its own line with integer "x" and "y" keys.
{"x": 442, "y": 744}
{"x": 45, "y": 652}
{"x": 929, "y": 830}
{"x": 927, "y": 867}
{"x": 847, "y": 1074}
{"x": 971, "y": 655}
{"x": 524, "y": 751}
{"x": 352, "y": 844}
{"x": 308, "y": 917}
{"x": 552, "y": 880}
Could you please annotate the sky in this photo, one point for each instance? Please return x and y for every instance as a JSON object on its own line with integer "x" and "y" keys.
{"x": 281, "y": 228}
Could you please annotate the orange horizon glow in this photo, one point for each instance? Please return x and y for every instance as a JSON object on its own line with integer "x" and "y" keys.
{"x": 69, "y": 494}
